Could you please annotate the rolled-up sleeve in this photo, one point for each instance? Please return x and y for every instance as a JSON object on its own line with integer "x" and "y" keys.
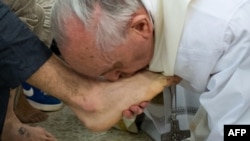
{"x": 21, "y": 52}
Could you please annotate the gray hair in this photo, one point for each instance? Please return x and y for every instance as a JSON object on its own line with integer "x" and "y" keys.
{"x": 111, "y": 27}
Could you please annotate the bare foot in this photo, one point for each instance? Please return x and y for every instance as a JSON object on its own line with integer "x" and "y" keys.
{"x": 14, "y": 130}
{"x": 103, "y": 106}
{"x": 99, "y": 105}
{"x": 25, "y": 112}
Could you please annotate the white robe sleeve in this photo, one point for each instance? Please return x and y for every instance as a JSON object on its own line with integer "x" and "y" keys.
{"x": 227, "y": 100}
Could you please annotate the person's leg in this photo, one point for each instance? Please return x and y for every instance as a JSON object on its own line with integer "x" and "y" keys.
{"x": 25, "y": 112}
{"x": 14, "y": 130}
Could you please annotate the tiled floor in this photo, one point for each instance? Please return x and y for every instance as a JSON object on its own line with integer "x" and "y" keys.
{"x": 66, "y": 127}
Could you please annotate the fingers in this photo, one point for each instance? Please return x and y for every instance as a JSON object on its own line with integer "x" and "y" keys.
{"x": 128, "y": 114}
{"x": 144, "y": 104}
{"x": 135, "y": 110}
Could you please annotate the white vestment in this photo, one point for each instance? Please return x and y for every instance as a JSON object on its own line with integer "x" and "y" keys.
{"x": 213, "y": 60}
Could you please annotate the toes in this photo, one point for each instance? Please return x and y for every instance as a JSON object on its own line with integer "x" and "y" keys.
{"x": 50, "y": 137}
{"x": 46, "y": 135}
{"x": 144, "y": 104}
{"x": 136, "y": 110}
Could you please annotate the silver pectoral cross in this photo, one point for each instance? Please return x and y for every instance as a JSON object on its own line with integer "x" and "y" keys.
{"x": 175, "y": 133}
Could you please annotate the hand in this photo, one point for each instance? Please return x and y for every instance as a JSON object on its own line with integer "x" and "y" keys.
{"x": 135, "y": 110}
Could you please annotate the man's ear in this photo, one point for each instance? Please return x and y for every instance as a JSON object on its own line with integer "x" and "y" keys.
{"x": 142, "y": 25}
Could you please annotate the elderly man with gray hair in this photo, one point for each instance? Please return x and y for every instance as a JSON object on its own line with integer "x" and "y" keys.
{"x": 205, "y": 42}
{"x": 25, "y": 58}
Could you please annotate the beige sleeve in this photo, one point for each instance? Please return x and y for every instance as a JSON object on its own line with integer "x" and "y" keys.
{"x": 36, "y": 15}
